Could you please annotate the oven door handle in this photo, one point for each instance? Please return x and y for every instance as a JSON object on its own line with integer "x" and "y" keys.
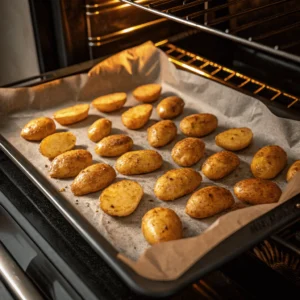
{"x": 15, "y": 279}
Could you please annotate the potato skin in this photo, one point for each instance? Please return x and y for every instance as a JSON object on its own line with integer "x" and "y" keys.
{"x": 209, "y": 201}
{"x": 257, "y": 191}
{"x": 294, "y": 168}
{"x": 70, "y": 163}
{"x": 114, "y": 145}
{"x": 99, "y": 129}
{"x": 234, "y": 139}
{"x": 188, "y": 151}
{"x": 139, "y": 162}
{"x": 268, "y": 162}
{"x": 176, "y": 183}
{"x": 161, "y": 224}
{"x": 72, "y": 114}
{"x": 161, "y": 133}
{"x": 220, "y": 165}
{"x": 92, "y": 179}
{"x": 147, "y": 93}
{"x": 37, "y": 129}
{"x": 170, "y": 107}
{"x": 136, "y": 117}
{"x": 198, "y": 125}
{"x": 111, "y": 102}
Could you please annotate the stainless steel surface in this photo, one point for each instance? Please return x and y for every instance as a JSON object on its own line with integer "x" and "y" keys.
{"x": 14, "y": 277}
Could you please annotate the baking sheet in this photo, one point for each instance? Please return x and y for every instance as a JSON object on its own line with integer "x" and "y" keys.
{"x": 123, "y": 72}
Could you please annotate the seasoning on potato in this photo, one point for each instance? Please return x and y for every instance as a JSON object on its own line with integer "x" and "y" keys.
{"x": 114, "y": 145}
{"x": 111, "y": 102}
{"x": 257, "y": 191}
{"x": 198, "y": 125}
{"x": 170, "y": 107}
{"x": 268, "y": 162}
{"x": 161, "y": 133}
{"x": 161, "y": 224}
{"x": 139, "y": 162}
{"x": 37, "y": 129}
{"x": 57, "y": 143}
{"x": 188, "y": 151}
{"x": 234, "y": 139}
{"x": 70, "y": 163}
{"x": 136, "y": 117}
{"x": 122, "y": 198}
{"x": 176, "y": 183}
{"x": 209, "y": 201}
{"x": 294, "y": 168}
{"x": 72, "y": 114}
{"x": 99, "y": 129}
{"x": 147, "y": 93}
{"x": 92, "y": 179}
{"x": 220, "y": 165}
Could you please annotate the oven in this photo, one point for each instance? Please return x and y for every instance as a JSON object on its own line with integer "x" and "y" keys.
{"x": 250, "y": 46}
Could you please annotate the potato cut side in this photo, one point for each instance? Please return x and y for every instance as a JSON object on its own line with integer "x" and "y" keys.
{"x": 110, "y": 102}
{"x": 72, "y": 114}
{"x": 147, "y": 93}
{"x": 294, "y": 168}
{"x": 137, "y": 116}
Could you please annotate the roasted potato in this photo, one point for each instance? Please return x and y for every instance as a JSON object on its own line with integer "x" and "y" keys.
{"x": 176, "y": 183}
{"x": 72, "y": 114}
{"x": 170, "y": 107}
{"x": 92, "y": 179}
{"x": 147, "y": 93}
{"x": 234, "y": 139}
{"x": 137, "y": 116}
{"x": 99, "y": 129}
{"x": 161, "y": 224}
{"x": 188, "y": 151}
{"x": 70, "y": 163}
{"x": 114, "y": 145}
{"x": 257, "y": 191}
{"x": 121, "y": 198}
{"x": 111, "y": 102}
{"x": 220, "y": 165}
{"x": 139, "y": 162}
{"x": 268, "y": 162}
{"x": 161, "y": 133}
{"x": 294, "y": 168}
{"x": 57, "y": 143}
{"x": 198, "y": 125}
{"x": 37, "y": 129}
{"x": 209, "y": 201}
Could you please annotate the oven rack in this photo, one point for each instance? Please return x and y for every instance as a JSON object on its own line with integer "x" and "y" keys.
{"x": 276, "y": 17}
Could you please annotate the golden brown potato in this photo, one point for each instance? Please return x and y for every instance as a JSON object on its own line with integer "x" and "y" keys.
{"x": 114, "y": 145}
{"x": 268, "y": 162}
{"x": 147, "y": 93}
{"x": 170, "y": 107}
{"x": 57, "y": 143}
{"x": 111, "y": 102}
{"x": 161, "y": 133}
{"x": 72, "y": 114}
{"x": 37, "y": 129}
{"x": 234, "y": 139}
{"x": 176, "y": 183}
{"x": 257, "y": 191}
{"x": 161, "y": 224}
{"x": 139, "y": 162}
{"x": 92, "y": 179}
{"x": 220, "y": 165}
{"x": 121, "y": 198}
{"x": 137, "y": 116}
{"x": 198, "y": 125}
{"x": 70, "y": 163}
{"x": 209, "y": 201}
{"x": 188, "y": 151}
{"x": 99, "y": 129}
{"x": 294, "y": 168}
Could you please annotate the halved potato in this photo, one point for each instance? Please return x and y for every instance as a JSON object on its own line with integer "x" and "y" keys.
{"x": 294, "y": 168}
{"x": 57, "y": 143}
{"x": 111, "y": 102}
{"x": 121, "y": 198}
{"x": 99, "y": 129}
{"x": 72, "y": 114}
{"x": 170, "y": 107}
{"x": 137, "y": 116}
{"x": 147, "y": 93}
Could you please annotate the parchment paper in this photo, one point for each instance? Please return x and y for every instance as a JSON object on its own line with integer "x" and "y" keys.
{"x": 124, "y": 72}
